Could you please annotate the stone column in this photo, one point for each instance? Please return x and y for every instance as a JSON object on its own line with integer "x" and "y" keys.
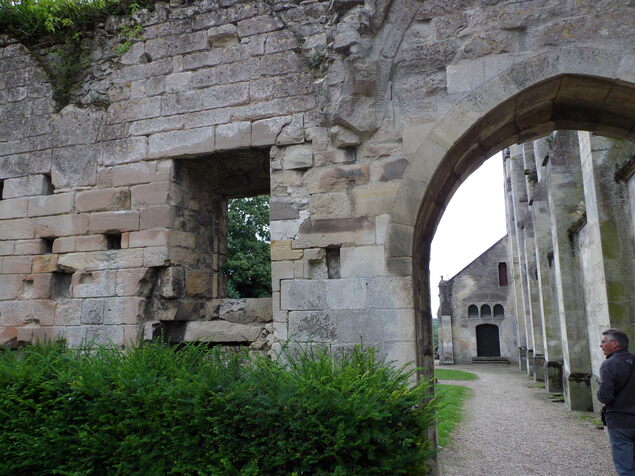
{"x": 446, "y": 351}
{"x": 608, "y": 255}
{"x": 565, "y": 195}
{"x": 544, "y": 260}
{"x": 514, "y": 261}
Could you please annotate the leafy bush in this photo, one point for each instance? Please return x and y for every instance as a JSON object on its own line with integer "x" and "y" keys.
{"x": 159, "y": 410}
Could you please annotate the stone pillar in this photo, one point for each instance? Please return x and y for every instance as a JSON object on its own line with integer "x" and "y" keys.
{"x": 565, "y": 195}
{"x": 514, "y": 262}
{"x": 607, "y": 254}
{"x": 519, "y": 194}
{"x": 446, "y": 351}
{"x": 544, "y": 260}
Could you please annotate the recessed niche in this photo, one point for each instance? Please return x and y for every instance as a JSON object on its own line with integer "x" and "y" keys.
{"x": 113, "y": 241}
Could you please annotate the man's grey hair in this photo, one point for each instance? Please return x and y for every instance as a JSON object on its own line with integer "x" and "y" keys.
{"x": 618, "y": 336}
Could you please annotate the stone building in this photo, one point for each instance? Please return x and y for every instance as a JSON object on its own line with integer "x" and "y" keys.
{"x": 477, "y": 311}
{"x": 358, "y": 118}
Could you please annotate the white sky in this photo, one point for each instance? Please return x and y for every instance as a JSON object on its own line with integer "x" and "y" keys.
{"x": 473, "y": 221}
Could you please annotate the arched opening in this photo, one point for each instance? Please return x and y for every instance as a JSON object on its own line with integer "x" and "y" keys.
{"x": 487, "y": 341}
{"x": 565, "y": 101}
{"x": 472, "y": 311}
{"x": 486, "y": 311}
{"x": 499, "y": 311}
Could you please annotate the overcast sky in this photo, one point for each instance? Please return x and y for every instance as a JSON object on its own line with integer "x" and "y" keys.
{"x": 473, "y": 221}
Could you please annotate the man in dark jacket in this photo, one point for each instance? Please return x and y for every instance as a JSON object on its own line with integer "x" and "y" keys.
{"x": 617, "y": 392}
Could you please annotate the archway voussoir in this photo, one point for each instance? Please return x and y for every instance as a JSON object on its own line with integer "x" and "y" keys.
{"x": 407, "y": 202}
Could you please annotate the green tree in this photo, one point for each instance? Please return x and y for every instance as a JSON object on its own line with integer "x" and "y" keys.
{"x": 248, "y": 265}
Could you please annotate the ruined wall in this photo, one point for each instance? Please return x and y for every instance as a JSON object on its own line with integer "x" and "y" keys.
{"x": 369, "y": 112}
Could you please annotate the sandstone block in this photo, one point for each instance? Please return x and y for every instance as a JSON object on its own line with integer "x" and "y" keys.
{"x": 374, "y": 199}
{"x": 322, "y": 205}
{"x": 133, "y": 281}
{"x": 17, "y": 264}
{"x": 333, "y": 231}
{"x": 45, "y": 263}
{"x": 150, "y": 194}
{"x": 10, "y": 286}
{"x": 123, "y": 310}
{"x": 225, "y": 95}
{"x": 281, "y": 270}
{"x": 37, "y": 311}
{"x": 221, "y": 331}
{"x": 64, "y": 245}
{"x": 297, "y": 157}
{"x": 148, "y": 238}
{"x": 125, "y": 111}
{"x": 156, "y": 256}
{"x": 303, "y": 294}
{"x": 362, "y": 261}
{"x": 177, "y": 82}
{"x": 157, "y": 217}
{"x": 91, "y": 243}
{"x": 234, "y": 135}
{"x": 37, "y": 286}
{"x": 123, "y": 151}
{"x": 342, "y": 137}
{"x": 6, "y": 248}
{"x": 103, "y": 199}
{"x": 68, "y": 313}
{"x": 37, "y": 184}
{"x": 181, "y": 143}
{"x": 16, "y": 229}
{"x": 88, "y": 284}
{"x": 281, "y": 251}
{"x": 30, "y": 247}
{"x": 257, "y": 25}
{"x": 86, "y": 261}
{"x": 198, "y": 283}
{"x": 126, "y": 258}
{"x": 283, "y": 208}
{"x": 266, "y": 131}
{"x": 134, "y": 173}
{"x": 92, "y": 311}
{"x": 223, "y": 35}
{"x": 51, "y": 204}
{"x": 75, "y": 166}
{"x": 13, "y": 208}
{"x": 172, "y": 283}
{"x": 337, "y": 179}
{"x": 63, "y": 225}
{"x": 116, "y": 221}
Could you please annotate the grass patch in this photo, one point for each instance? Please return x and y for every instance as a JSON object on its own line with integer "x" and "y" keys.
{"x": 450, "y": 399}
{"x": 536, "y": 385}
{"x": 591, "y": 420}
{"x": 448, "y": 374}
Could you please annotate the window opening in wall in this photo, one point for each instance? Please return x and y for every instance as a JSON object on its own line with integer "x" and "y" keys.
{"x": 1, "y": 188}
{"x": 472, "y": 311}
{"x": 499, "y": 310}
{"x": 502, "y": 274}
{"x": 486, "y": 311}
{"x": 48, "y": 184}
{"x": 113, "y": 241}
{"x": 333, "y": 262}
{"x": 248, "y": 260}
{"x": 47, "y": 245}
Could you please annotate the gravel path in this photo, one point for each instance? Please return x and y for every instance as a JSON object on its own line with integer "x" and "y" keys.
{"x": 511, "y": 429}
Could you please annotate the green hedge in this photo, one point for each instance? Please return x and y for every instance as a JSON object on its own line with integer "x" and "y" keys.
{"x": 160, "y": 410}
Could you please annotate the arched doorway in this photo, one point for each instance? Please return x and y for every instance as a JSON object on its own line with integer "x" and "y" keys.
{"x": 487, "y": 341}
{"x": 484, "y": 122}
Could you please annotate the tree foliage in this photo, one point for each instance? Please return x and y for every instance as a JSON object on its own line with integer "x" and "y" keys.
{"x": 248, "y": 265}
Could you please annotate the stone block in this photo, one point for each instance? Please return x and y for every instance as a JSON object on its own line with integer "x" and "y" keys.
{"x": 37, "y": 311}
{"x": 17, "y": 229}
{"x": 335, "y": 231}
{"x": 144, "y": 238}
{"x": 198, "y": 283}
{"x": 177, "y": 82}
{"x": 45, "y": 263}
{"x": 116, "y": 221}
{"x": 103, "y": 199}
{"x": 257, "y": 25}
{"x": 31, "y": 247}
{"x": 91, "y": 243}
{"x": 68, "y": 313}
{"x": 10, "y": 286}
{"x": 156, "y": 256}
{"x": 225, "y": 95}
{"x": 234, "y": 135}
{"x": 342, "y": 137}
{"x": 51, "y": 204}
{"x": 17, "y": 265}
{"x": 74, "y": 166}
{"x": 266, "y": 131}
{"x": 283, "y": 208}
{"x": 186, "y": 143}
{"x": 86, "y": 261}
{"x": 281, "y": 270}
{"x": 123, "y": 310}
{"x": 362, "y": 261}
{"x": 281, "y": 251}
{"x": 37, "y": 286}
{"x": 223, "y": 35}
{"x": 172, "y": 283}
{"x": 322, "y": 205}
{"x": 157, "y": 217}
{"x": 126, "y": 258}
{"x": 134, "y": 173}
{"x": 336, "y": 179}
{"x": 133, "y": 110}
{"x": 62, "y": 225}
{"x": 391, "y": 292}
{"x": 92, "y": 311}
{"x": 297, "y": 156}
{"x": 37, "y": 184}
{"x": 221, "y": 331}
{"x": 7, "y": 248}
{"x": 13, "y": 208}
{"x": 303, "y": 295}
{"x": 124, "y": 151}
{"x": 64, "y": 245}
{"x": 133, "y": 281}
{"x": 375, "y": 198}
{"x": 150, "y": 194}
{"x": 88, "y": 284}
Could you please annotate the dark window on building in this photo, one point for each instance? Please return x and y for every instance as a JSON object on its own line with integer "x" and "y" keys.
{"x": 1, "y": 188}
{"x": 472, "y": 311}
{"x": 113, "y": 241}
{"x": 502, "y": 274}
{"x": 499, "y": 310}
{"x": 486, "y": 311}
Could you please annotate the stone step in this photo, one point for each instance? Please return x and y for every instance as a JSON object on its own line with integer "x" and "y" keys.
{"x": 490, "y": 360}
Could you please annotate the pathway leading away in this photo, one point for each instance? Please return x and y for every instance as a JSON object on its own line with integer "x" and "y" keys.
{"x": 512, "y": 429}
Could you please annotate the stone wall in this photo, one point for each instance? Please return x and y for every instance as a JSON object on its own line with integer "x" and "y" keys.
{"x": 368, "y": 113}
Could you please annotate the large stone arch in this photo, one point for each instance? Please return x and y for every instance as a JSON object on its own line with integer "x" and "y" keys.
{"x": 579, "y": 89}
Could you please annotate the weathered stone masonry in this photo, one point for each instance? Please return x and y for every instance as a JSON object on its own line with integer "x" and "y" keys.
{"x": 368, "y": 114}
